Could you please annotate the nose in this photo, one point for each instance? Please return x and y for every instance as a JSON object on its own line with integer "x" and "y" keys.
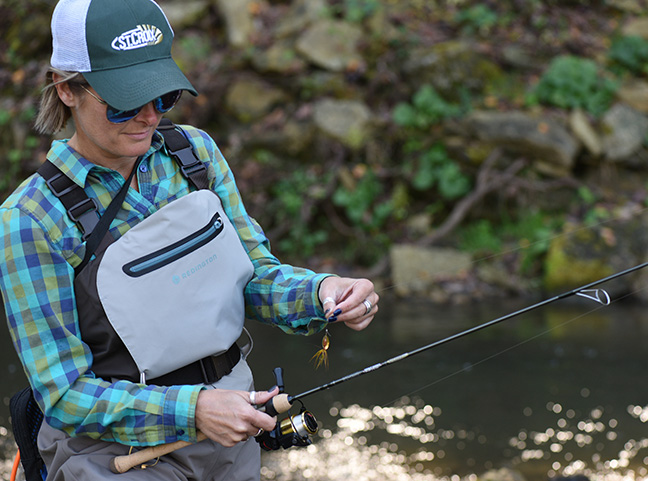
{"x": 148, "y": 114}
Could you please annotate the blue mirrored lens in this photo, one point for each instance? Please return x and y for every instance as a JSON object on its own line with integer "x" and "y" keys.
{"x": 162, "y": 104}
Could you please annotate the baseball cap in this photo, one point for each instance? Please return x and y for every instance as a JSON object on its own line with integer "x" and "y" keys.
{"x": 122, "y": 48}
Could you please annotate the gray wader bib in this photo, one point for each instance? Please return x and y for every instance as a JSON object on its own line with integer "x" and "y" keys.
{"x": 170, "y": 290}
{"x": 166, "y": 294}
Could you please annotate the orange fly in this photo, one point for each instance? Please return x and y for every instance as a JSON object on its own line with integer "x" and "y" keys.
{"x": 321, "y": 356}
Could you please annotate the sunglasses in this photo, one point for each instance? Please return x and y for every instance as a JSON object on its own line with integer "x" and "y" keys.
{"x": 162, "y": 104}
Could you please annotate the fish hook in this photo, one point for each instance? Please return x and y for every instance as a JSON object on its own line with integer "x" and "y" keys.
{"x": 597, "y": 295}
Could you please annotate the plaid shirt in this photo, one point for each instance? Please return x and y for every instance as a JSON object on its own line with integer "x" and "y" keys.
{"x": 41, "y": 247}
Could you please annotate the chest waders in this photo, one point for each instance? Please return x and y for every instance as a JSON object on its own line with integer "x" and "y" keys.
{"x": 163, "y": 304}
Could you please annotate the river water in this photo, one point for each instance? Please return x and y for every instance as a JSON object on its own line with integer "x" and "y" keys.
{"x": 559, "y": 391}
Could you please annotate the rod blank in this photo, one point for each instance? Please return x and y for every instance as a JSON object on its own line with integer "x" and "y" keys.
{"x": 603, "y": 299}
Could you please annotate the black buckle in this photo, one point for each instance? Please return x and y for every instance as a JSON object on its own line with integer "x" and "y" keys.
{"x": 55, "y": 191}
{"x": 81, "y": 206}
{"x": 85, "y": 217}
{"x": 189, "y": 164}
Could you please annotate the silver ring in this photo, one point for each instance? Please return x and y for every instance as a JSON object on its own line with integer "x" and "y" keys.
{"x": 368, "y": 306}
{"x": 252, "y": 397}
{"x": 259, "y": 433}
{"x": 328, "y": 299}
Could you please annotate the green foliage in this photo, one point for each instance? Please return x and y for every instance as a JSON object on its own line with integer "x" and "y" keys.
{"x": 434, "y": 168}
{"x": 427, "y": 166}
{"x": 480, "y": 238}
{"x": 530, "y": 236}
{"x": 477, "y": 19}
{"x": 596, "y": 212}
{"x": 357, "y": 10}
{"x": 14, "y": 152}
{"x": 534, "y": 233}
{"x": 630, "y": 53}
{"x": 427, "y": 108}
{"x": 289, "y": 194}
{"x": 361, "y": 203}
{"x": 575, "y": 82}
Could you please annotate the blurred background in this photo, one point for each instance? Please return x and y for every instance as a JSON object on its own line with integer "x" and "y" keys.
{"x": 471, "y": 157}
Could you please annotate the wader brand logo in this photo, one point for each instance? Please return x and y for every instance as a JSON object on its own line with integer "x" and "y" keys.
{"x": 177, "y": 278}
{"x": 142, "y": 36}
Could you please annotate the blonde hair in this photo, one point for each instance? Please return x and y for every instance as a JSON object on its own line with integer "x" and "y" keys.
{"x": 53, "y": 114}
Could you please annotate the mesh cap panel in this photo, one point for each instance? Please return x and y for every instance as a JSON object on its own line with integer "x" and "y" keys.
{"x": 69, "y": 36}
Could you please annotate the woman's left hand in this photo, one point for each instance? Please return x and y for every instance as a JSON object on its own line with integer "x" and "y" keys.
{"x": 352, "y": 301}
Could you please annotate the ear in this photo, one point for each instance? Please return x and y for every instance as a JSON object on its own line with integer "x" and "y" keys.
{"x": 65, "y": 92}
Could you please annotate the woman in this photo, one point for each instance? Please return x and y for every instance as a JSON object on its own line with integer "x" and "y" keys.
{"x": 121, "y": 349}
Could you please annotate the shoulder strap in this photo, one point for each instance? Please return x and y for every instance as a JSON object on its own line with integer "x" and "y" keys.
{"x": 78, "y": 205}
{"x": 83, "y": 210}
{"x": 182, "y": 151}
{"x": 102, "y": 227}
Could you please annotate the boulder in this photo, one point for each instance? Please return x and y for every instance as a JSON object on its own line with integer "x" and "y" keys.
{"x": 415, "y": 270}
{"x": 451, "y": 67}
{"x": 347, "y": 121}
{"x": 281, "y": 57}
{"x": 250, "y": 99}
{"x": 635, "y": 92}
{"x": 238, "y": 21}
{"x": 636, "y": 27}
{"x": 543, "y": 139}
{"x": 625, "y": 130}
{"x": 585, "y": 132}
{"x": 331, "y": 45}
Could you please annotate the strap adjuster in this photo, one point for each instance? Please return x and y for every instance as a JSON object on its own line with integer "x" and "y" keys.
{"x": 54, "y": 179}
{"x": 84, "y": 213}
{"x": 82, "y": 208}
{"x": 189, "y": 163}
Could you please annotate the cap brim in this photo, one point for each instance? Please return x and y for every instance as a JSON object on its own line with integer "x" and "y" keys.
{"x": 130, "y": 87}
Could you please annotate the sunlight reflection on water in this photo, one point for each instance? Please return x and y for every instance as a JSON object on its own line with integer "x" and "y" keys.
{"x": 556, "y": 393}
{"x": 347, "y": 453}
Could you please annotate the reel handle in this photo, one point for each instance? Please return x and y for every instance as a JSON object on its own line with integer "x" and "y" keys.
{"x": 278, "y": 374}
{"x": 281, "y": 402}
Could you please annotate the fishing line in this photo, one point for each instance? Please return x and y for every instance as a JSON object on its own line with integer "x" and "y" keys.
{"x": 605, "y": 300}
{"x": 515, "y": 346}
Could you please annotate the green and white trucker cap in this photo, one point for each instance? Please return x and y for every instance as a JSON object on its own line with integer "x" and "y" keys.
{"x": 122, "y": 47}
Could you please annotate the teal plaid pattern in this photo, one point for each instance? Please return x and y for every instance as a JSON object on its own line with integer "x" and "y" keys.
{"x": 42, "y": 245}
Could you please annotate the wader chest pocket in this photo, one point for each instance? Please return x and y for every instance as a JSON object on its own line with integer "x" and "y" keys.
{"x": 172, "y": 286}
{"x": 167, "y": 255}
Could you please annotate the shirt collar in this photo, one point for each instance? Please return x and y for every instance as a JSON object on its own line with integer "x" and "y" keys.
{"x": 77, "y": 167}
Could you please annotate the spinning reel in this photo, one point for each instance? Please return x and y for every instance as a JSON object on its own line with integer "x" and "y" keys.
{"x": 294, "y": 430}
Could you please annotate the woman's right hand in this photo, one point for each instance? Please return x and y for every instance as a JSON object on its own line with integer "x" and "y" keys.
{"x": 228, "y": 417}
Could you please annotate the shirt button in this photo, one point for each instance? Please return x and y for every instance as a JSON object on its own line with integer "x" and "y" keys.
{"x": 143, "y": 168}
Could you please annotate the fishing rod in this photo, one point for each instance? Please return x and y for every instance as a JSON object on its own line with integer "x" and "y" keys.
{"x": 295, "y": 430}
{"x": 597, "y": 295}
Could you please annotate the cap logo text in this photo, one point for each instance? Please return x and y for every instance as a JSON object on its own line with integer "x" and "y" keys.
{"x": 141, "y": 36}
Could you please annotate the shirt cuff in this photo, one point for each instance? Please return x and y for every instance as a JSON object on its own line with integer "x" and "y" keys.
{"x": 180, "y": 413}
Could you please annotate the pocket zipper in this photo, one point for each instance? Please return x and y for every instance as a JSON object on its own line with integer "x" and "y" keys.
{"x": 175, "y": 251}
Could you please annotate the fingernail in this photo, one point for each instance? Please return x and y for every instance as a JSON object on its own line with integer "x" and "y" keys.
{"x": 332, "y": 319}
{"x": 272, "y": 388}
{"x": 337, "y": 312}
{"x": 326, "y": 311}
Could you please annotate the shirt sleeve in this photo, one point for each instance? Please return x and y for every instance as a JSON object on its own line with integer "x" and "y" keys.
{"x": 278, "y": 294}
{"x": 37, "y": 288}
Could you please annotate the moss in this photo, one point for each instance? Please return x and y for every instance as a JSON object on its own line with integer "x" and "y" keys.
{"x": 573, "y": 261}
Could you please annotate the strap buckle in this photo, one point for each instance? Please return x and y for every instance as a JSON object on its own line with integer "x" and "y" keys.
{"x": 55, "y": 178}
{"x": 189, "y": 163}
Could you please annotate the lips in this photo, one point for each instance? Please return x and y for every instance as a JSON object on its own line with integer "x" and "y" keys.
{"x": 139, "y": 135}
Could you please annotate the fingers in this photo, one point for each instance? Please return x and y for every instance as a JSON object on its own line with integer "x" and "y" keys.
{"x": 228, "y": 417}
{"x": 329, "y": 304}
{"x": 259, "y": 398}
{"x": 355, "y": 301}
